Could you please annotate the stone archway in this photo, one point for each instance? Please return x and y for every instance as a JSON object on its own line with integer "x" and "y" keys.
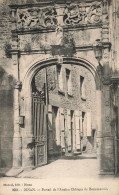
{"x": 25, "y": 148}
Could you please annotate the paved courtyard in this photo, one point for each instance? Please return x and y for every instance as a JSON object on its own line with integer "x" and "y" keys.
{"x": 78, "y": 166}
{"x": 67, "y": 175}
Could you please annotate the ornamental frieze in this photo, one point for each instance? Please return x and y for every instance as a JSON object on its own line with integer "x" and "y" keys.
{"x": 73, "y": 15}
{"x": 83, "y": 15}
{"x": 36, "y": 17}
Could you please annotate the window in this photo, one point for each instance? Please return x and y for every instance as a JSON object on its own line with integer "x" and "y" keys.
{"x": 60, "y": 77}
{"x": 82, "y": 87}
{"x": 68, "y": 82}
{"x": 55, "y": 123}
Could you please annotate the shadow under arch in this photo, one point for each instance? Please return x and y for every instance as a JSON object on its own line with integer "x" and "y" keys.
{"x": 27, "y": 136}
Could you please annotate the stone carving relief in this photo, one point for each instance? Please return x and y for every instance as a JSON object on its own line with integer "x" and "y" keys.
{"x": 83, "y": 15}
{"x": 48, "y": 17}
{"x": 35, "y": 17}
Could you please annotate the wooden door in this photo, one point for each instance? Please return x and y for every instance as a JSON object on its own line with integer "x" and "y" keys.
{"x": 40, "y": 130}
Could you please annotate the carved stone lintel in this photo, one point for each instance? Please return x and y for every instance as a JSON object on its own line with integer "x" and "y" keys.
{"x": 35, "y": 17}
{"x": 79, "y": 15}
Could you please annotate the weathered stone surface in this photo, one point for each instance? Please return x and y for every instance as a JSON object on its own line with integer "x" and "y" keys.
{"x": 33, "y": 43}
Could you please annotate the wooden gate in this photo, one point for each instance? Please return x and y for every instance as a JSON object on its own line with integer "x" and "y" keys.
{"x": 39, "y": 129}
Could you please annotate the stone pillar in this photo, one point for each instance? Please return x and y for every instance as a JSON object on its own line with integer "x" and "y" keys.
{"x": 106, "y": 139}
{"x": 117, "y": 152}
{"x": 17, "y": 139}
{"x": 27, "y": 133}
{"x": 99, "y": 137}
{"x": 115, "y": 119}
{"x": 107, "y": 132}
{"x": 108, "y": 145}
{"x": 17, "y": 159}
{"x": 99, "y": 119}
{"x": 17, "y": 153}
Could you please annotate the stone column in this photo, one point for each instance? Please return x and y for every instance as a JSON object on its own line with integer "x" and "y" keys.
{"x": 106, "y": 145}
{"x": 17, "y": 160}
{"x": 108, "y": 160}
{"x": 17, "y": 154}
{"x": 99, "y": 116}
{"x": 17, "y": 139}
{"x": 117, "y": 152}
{"x": 99, "y": 137}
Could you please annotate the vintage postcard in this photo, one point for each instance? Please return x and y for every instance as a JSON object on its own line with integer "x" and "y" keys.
{"x": 59, "y": 97}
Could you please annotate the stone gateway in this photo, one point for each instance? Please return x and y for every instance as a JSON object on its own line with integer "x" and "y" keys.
{"x": 59, "y": 82}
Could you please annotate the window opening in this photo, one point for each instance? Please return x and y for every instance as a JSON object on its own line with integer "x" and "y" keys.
{"x": 60, "y": 77}
{"x": 68, "y": 82}
{"x": 82, "y": 87}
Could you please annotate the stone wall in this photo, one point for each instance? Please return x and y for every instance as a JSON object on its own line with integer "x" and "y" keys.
{"x": 6, "y": 119}
{"x": 6, "y": 89}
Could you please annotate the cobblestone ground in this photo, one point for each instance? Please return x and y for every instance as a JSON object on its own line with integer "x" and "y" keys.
{"x": 78, "y": 166}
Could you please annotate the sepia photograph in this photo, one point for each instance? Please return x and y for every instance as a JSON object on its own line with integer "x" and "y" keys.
{"x": 59, "y": 97}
